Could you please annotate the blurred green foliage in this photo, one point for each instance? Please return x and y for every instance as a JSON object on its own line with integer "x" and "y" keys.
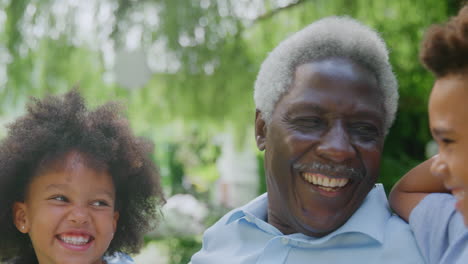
{"x": 205, "y": 56}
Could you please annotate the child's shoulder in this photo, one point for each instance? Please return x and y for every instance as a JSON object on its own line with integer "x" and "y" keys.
{"x": 119, "y": 258}
{"x": 439, "y": 229}
{"x": 439, "y": 205}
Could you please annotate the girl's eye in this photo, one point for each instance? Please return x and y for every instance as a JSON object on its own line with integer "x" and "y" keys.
{"x": 447, "y": 141}
{"x": 444, "y": 142}
{"x": 100, "y": 203}
{"x": 59, "y": 198}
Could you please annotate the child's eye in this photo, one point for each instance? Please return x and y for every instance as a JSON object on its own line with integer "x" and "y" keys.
{"x": 59, "y": 198}
{"x": 100, "y": 203}
{"x": 447, "y": 141}
{"x": 443, "y": 141}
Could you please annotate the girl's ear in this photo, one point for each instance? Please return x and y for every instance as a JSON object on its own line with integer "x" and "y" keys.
{"x": 20, "y": 218}
{"x": 115, "y": 220}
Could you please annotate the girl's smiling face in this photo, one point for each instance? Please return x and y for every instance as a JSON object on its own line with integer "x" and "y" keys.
{"x": 69, "y": 212}
{"x": 448, "y": 119}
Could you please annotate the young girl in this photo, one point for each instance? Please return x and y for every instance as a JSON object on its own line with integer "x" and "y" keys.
{"x": 75, "y": 185}
{"x": 423, "y": 200}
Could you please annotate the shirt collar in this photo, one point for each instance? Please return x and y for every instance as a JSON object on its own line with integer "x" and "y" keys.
{"x": 369, "y": 219}
{"x": 256, "y": 208}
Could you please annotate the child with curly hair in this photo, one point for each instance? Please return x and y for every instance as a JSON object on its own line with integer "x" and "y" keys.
{"x": 437, "y": 207}
{"x": 75, "y": 185}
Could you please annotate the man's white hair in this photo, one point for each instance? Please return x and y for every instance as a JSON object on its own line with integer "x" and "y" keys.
{"x": 326, "y": 38}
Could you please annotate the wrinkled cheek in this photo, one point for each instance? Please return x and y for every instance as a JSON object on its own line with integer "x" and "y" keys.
{"x": 301, "y": 141}
{"x": 278, "y": 173}
{"x": 371, "y": 159}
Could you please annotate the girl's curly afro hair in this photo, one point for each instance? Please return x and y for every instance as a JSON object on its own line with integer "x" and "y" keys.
{"x": 445, "y": 47}
{"x": 57, "y": 125}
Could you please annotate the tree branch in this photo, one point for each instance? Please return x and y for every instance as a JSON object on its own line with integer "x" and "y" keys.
{"x": 277, "y": 10}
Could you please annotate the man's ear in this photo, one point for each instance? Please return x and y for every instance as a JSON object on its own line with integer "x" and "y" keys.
{"x": 20, "y": 218}
{"x": 260, "y": 130}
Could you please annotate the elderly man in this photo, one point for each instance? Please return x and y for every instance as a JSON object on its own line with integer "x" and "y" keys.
{"x": 325, "y": 99}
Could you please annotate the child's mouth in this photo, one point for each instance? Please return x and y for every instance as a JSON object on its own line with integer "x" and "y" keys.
{"x": 75, "y": 241}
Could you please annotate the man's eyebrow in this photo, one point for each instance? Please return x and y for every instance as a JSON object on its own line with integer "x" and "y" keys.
{"x": 364, "y": 113}
{"x": 306, "y": 107}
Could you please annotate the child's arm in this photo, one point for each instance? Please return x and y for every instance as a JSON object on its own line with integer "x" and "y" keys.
{"x": 413, "y": 187}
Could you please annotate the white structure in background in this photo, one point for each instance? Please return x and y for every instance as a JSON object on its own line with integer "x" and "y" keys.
{"x": 152, "y": 254}
{"x": 131, "y": 69}
{"x": 238, "y": 169}
{"x": 431, "y": 149}
{"x": 183, "y": 215}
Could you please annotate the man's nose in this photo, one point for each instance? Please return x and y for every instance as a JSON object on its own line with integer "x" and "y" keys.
{"x": 439, "y": 167}
{"x": 79, "y": 214}
{"x": 335, "y": 145}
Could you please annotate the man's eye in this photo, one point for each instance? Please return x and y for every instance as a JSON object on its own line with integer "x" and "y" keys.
{"x": 367, "y": 132}
{"x": 311, "y": 122}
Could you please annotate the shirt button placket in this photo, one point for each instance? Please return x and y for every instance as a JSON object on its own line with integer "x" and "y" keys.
{"x": 276, "y": 251}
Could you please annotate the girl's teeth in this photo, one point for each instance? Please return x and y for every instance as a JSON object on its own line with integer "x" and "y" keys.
{"x": 75, "y": 240}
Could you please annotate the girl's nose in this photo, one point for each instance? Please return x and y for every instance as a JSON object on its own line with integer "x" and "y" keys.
{"x": 439, "y": 167}
{"x": 79, "y": 215}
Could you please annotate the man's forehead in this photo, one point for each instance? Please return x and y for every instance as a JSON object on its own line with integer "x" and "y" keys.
{"x": 328, "y": 85}
{"x": 338, "y": 66}
{"x": 335, "y": 76}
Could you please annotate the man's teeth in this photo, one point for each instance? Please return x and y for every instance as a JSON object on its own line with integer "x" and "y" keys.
{"x": 326, "y": 182}
{"x": 75, "y": 240}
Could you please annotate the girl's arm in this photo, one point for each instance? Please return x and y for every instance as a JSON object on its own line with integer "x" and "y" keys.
{"x": 413, "y": 187}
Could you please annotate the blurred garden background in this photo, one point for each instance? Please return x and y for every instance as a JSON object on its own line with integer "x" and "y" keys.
{"x": 185, "y": 71}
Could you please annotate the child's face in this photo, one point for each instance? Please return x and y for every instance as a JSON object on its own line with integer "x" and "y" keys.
{"x": 69, "y": 213}
{"x": 448, "y": 114}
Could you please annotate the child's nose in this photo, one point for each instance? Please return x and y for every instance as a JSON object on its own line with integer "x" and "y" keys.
{"x": 79, "y": 215}
{"x": 439, "y": 167}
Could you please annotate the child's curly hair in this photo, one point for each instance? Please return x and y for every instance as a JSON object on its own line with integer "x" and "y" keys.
{"x": 57, "y": 125}
{"x": 445, "y": 47}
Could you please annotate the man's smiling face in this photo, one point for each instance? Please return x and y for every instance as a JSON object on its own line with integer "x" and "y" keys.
{"x": 322, "y": 147}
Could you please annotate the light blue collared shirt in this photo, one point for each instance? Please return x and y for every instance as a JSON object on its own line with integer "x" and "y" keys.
{"x": 118, "y": 258}
{"x": 439, "y": 230}
{"x": 371, "y": 235}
